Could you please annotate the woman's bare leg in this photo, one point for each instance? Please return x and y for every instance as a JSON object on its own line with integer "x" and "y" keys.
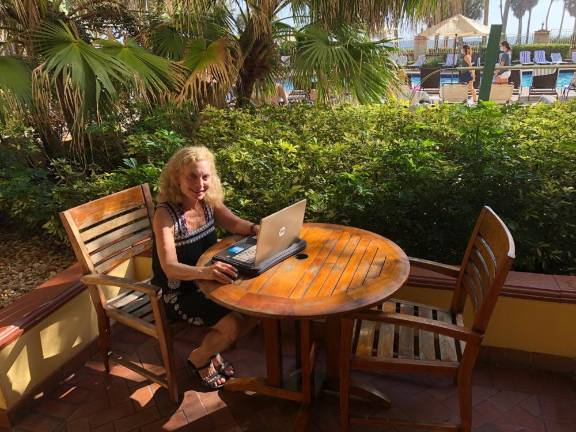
{"x": 220, "y": 337}
{"x": 472, "y": 90}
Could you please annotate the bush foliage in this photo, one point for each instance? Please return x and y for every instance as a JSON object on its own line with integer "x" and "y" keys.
{"x": 419, "y": 177}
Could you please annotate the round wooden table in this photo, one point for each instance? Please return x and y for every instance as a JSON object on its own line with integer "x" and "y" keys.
{"x": 342, "y": 269}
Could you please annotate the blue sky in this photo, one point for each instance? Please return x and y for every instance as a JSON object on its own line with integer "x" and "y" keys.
{"x": 538, "y": 17}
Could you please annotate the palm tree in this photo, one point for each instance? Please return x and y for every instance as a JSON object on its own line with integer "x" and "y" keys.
{"x": 529, "y": 5}
{"x": 504, "y": 12}
{"x": 562, "y": 19}
{"x": 570, "y": 6}
{"x": 548, "y": 14}
{"x": 519, "y": 9}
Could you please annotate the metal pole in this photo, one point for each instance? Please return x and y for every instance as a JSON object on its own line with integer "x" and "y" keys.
{"x": 490, "y": 63}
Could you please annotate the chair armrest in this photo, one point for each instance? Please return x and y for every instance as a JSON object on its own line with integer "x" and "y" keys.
{"x": 445, "y": 269}
{"x": 103, "y": 279}
{"x": 452, "y": 330}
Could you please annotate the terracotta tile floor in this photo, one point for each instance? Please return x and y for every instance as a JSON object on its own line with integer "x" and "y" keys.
{"x": 505, "y": 399}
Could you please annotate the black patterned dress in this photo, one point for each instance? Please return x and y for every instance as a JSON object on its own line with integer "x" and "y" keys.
{"x": 183, "y": 299}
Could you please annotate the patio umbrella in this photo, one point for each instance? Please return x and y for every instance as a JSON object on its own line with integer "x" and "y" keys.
{"x": 455, "y": 26}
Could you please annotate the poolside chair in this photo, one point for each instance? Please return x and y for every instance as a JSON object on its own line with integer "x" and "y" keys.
{"x": 430, "y": 80}
{"x": 501, "y": 93}
{"x": 556, "y": 58}
{"x": 409, "y": 338}
{"x": 402, "y": 60}
{"x": 296, "y": 96}
{"x": 451, "y": 60}
{"x": 540, "y": 57}
{"x": 107, "y": 236}
{"x": 419, "y": 61}
{"x": 516, "y": 81}
{"x": 573, "y": 56}
{"x": 454, "y": 93}
{"x": 525, "y": 57}
{"x": 544, "y": 85}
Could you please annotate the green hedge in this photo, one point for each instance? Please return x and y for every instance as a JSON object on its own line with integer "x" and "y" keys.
{"x": 417, "y": 176}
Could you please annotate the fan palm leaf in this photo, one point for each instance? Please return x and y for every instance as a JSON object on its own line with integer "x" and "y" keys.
{"x": 343, "y": 61}
{"x": 84, "y": 77}
{"x": 153, "y": 76}
{"x": 212, "y": 67}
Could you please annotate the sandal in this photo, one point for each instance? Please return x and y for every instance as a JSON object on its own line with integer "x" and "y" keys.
{"x": 211, "y": 379}
{"x": 223, "y": 367}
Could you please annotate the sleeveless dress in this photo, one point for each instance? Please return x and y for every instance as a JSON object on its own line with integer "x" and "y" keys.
{"x": 183, "y": 299}
{"x": 465, "y": 76}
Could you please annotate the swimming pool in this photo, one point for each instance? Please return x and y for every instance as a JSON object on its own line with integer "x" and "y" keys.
{"x": 564, "y": 78}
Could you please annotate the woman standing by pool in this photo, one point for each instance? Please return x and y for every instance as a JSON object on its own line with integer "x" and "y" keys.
{"x": 467, "y": 77}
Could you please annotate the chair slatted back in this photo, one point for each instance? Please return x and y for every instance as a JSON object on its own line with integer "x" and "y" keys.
{"x": 501, "y": 93}
{"x": 573, "y": 56}
{"x": 525, "y": 57}
{"x": 454, "y": 93}
{"x": 556, "y": 57}
{"x": 540, "y": 56}
{"x": 484, "y": 268}
{"x": 110, "y": 230}
{"x": 547, "y": 81}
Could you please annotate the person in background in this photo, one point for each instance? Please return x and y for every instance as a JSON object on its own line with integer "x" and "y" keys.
{"x": 502, "y": 76}
{"x": 467, "y": 77}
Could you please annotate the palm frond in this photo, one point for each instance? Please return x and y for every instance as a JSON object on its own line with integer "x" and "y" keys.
{"x": 153, "y": 76}
{"x": 213, "y": 69}
{"x": 343, "y": 61}
{"x": 84, "y": 77}
{"x": 15, "y": 79}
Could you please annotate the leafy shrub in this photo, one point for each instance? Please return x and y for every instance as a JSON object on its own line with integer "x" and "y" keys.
{"x": 418, "y": 176}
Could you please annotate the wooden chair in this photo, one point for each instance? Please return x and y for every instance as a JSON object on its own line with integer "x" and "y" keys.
{"x": 501, "y": 93}
{"x": 454, "y": 93}
{"x": 107, "y": 234}
{"x": 400, "y": 336}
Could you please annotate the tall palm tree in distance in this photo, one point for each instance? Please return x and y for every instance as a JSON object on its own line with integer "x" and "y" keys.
{"x": 529, "y": 5}
{"x": 519, "y": 9}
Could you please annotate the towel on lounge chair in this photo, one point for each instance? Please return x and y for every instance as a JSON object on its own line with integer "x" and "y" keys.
{"x": 556, "y": 58}
{"x": 525, "y": 57}
{"x": 419, "y": 61}
{"x": 540, "y": 57}
{"x": 451, "y": 60}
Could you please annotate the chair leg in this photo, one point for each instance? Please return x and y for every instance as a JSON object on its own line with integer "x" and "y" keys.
{"x": 104, "y": 342}
{"x": 345, "y": 353}
{"x": 465, "y": 400}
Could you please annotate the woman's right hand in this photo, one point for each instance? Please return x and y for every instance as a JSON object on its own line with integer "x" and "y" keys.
{"x": 221, "y": 272}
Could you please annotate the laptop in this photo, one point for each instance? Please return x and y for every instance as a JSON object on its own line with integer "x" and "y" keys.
{"x": 278, "y": 239}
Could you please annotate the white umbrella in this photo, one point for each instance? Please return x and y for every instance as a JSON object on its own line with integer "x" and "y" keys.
{"x": 458, "y": 25}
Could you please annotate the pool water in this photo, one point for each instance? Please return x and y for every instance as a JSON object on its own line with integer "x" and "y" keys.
{"x": 564, "y": 78}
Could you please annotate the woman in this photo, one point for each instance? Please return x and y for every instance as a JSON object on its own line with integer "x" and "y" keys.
{"x": 467, "y": 77}
{"x": 190, "y": 203}
{"x": 502, "y": 76}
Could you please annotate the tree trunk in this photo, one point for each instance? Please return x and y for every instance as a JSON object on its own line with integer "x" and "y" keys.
{"x": 548, "y": 14}
{"x": 505, "y": 17}
{"x": 256, "y": 65}
{"x": 562, "y": 20}
{"x": 486, "y": 13}
{"x": 528, "y": 28}
{"x": 519, "y": 35}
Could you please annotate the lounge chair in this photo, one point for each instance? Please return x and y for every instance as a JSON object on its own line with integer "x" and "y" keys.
{"x": 454, "y": 93}
{"x": 557, "y": 58}
{"x": 451, "y": 60}
{"x": 297, "y": 96}
{"x": 402, "y": 60}
{"x": 516, "y": 80}
{"x": 501, "y": 93}
{"x": 570, "y": 87}
{"x": 419, "y": 61}
{"x": 544, "y": 85}
{"x": 573, "y": 56}
{"x": 540, "y": 57}
{"x": 430, "y": 80}
{"x": 525, "y": 57}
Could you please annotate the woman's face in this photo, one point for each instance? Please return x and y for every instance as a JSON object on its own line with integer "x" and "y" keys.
{"x": 195, "y": 180}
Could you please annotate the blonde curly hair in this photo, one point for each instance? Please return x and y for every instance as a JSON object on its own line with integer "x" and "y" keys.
{"x": 169, "y": 187}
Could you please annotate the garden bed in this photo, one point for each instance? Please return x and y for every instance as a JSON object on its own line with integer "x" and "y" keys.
{"x": 26, "y": 262}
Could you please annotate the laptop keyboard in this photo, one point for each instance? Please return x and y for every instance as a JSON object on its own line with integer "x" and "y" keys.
{"x": 247, "y": 255}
